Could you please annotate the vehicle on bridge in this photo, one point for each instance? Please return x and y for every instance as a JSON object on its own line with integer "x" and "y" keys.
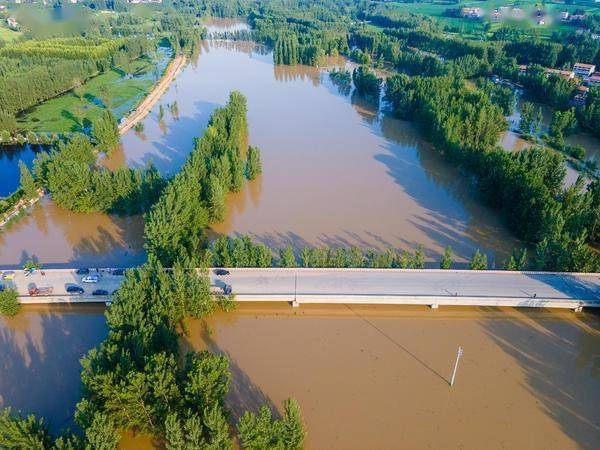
{"x": 220, "y": 290}
{"x": 75, "y": 290}
{"x": 221, "y": 272}
{"x": 91, "y": 279}
{"x": 34, "y": 291}
{"x": 100, "y": 292}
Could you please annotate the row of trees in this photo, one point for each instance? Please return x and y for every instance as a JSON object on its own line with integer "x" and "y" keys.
{"x": 36, "y": 71}
{"x": 242, "y": 252}
{"x": 138, "y": 379}
{"x": 196, "y": 196}
{"x": 70, "y": 175}
{"x": 366, "y": 82}
{"x": 526, "y": 186}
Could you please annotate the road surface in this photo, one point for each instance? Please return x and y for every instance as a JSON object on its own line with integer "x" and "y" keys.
{"x": 370, "y": 286}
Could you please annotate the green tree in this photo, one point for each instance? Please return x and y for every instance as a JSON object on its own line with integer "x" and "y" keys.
{"x": 105, "y": 130}
{"x": 262, "y": 431}
{"x": 28, "y": 183}
{"x": 18, "y": 432}
{"x": 478, "y": 261}
{"x": 446, "y": 261}
{"x": 286, "y": 257}
{"x": 527, "y": 118}
{"x": 418, "y": 259}
{"x": 517, "y": 260}
{"x": 253, "y": 164}
{"x": 9, "y": 305}
{"x": 563, "y": 124}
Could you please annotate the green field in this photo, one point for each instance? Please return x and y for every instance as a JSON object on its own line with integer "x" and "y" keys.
{"x": 8, "y": 35}
{"x": 474, "y": 28}
{"x": 69, "y": 112}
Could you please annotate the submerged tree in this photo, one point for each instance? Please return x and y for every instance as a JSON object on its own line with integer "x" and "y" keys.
{"x": 105, "y": 130}
{"x": 446, "y": 261}
{"x": 28, "y": 183}
{"x": 253, "y": 163}
{"x": 478, "y": 261}
{"x": 263, "y": 432}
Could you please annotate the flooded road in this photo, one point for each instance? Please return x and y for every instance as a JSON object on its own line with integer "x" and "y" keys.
{"x": 527, "y": 379}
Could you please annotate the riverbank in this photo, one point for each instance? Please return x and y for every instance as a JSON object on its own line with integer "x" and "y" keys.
{"x": 159, "y": 89}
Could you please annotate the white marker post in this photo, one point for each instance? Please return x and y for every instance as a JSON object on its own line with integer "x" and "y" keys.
{"x": 458, "y": 355}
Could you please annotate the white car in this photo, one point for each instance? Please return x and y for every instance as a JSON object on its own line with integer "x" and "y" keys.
{"x": 90, "y": 279}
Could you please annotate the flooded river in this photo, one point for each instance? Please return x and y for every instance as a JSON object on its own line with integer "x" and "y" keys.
{"x": 336, "y": 171}
{"x": 364, "y": 377}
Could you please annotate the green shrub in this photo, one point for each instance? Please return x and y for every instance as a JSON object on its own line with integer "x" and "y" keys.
{"x": 9, "y": 303}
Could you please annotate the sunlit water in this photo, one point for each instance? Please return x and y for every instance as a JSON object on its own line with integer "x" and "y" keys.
{"x": 364, "y": 377}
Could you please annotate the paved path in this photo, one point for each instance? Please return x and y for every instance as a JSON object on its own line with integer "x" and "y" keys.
{"x": 369, "y": 286}
{"x": 161, "y": 87}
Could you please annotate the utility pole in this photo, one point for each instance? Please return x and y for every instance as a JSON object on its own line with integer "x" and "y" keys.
{"x": 295, "y": 303}
{"x": 458, "y": 355}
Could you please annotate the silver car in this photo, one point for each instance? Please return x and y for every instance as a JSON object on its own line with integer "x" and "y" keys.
{"x": 90, "y": 279}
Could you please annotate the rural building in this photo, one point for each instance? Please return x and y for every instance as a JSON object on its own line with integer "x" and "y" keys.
{"x": 567, "y": 74}
{"x": 580, "y": 97}
{"x": 583, "y": 70}
{"x": 594, "y": 80}
{"x": 472, "y": 13}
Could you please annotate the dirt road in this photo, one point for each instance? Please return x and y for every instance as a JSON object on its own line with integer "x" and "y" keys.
{"x": 146, "y": 105}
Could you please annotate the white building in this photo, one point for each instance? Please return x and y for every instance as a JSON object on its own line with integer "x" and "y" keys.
{"x": 584, "y": 70}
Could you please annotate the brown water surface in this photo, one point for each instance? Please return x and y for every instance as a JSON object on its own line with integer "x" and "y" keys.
{"x": 365, "y": 377}
{"x": 39, "y": 359}
{"x": 60, "y": 238}
{"x": 336, "y": 170}
{"x": 377, "y": 378}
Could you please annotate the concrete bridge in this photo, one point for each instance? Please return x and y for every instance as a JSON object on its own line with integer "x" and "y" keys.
{"x": 351, "y": 286}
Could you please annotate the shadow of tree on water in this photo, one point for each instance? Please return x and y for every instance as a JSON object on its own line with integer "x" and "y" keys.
{"x": 561, "y": 362}
{"x": 39, "y": 361}
{"x": 244, "y": 395}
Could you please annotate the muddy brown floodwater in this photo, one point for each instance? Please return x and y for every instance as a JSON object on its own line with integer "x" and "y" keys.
{"x": 365, "y": 377}
{"x": 336, "y": 171}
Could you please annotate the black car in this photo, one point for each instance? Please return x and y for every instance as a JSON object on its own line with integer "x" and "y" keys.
{"x": 75, "y": 290}
{"x": 118, "y": 272}
{"x": 100, "y": 292}
{"x": 221, "y": 272}
{"x": 82, "y": 271}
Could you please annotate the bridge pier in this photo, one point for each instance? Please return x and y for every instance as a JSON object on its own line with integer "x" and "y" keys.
{"x": 434, "y": 306}
{"x": 295, "y": 303}
{"x": 578, "y": 309}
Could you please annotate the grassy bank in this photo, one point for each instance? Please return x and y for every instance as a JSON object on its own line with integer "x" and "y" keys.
{"x": 70, "y": 111}
{"x": 8, "y": 35}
